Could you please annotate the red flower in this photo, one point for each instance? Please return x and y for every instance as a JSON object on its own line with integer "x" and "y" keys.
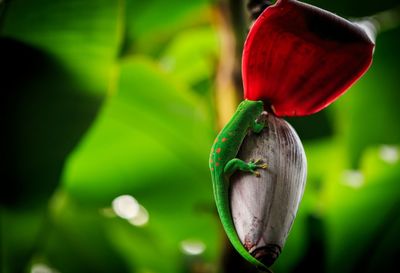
{"x": 298, "y": 58}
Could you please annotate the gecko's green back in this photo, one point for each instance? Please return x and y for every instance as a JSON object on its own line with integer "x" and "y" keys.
{"x": 224, "y": 149}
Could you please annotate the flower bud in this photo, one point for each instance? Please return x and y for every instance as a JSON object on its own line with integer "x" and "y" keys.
{"x": 263, "y": 207}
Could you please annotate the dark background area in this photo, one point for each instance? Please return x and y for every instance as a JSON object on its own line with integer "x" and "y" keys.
{"x": 108, "y": 98}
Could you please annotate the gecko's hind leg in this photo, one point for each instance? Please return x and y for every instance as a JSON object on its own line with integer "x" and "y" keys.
{"x": 259, "y": 163}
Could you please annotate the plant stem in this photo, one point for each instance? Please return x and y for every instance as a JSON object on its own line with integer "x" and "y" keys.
{"x": 380, "y": 22}
{"x": 256, "y": 7}
{"x": 228, "y": 89}
{"x": 386, "y": 20}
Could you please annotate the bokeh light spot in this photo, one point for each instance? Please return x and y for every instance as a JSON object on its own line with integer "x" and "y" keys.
{"x": 353, "y": 178}
{"x": 42, "y": 268}
{"x": 192, "y": 247}
{"x": 125, "y": 206}
{"x": 389, "y": 154}
{"x": 141, "y": 218}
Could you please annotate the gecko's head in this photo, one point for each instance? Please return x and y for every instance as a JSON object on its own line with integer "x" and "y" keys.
{"x": 255, "y": 107}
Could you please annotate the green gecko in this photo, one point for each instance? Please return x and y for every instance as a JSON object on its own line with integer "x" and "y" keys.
{"x": 223, "y": 163}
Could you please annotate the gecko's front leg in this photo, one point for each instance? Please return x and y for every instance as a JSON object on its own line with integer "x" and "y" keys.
{"x": 238, "y": 164}
{"x": 257, "y": 126}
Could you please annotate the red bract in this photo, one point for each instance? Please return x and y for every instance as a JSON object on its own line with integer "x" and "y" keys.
{"x": 298, "y": 58}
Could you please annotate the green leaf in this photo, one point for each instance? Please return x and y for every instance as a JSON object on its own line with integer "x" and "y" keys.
{"x": 19, "y": 236}
{"x": 44, "y": 112}
{"x": 75, "y": 239}
{"x": 192, "y": 55}
{"x": 150, "y": 24}
{"x": 82, "y": 35}
{"x": 361, "y": 208}
{"x": 151, "y": 141}
{"x": 150, "y": 124}
{"x": 368, "y": 113}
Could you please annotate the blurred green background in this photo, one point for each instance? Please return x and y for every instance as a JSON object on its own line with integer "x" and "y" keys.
{"x": 111, "y": 103}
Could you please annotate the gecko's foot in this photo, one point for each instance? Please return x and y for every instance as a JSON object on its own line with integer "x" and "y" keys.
{"x": 259, "y": 164}
{"x": 258, "y": 127}
{"x": 256, "y": 164}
